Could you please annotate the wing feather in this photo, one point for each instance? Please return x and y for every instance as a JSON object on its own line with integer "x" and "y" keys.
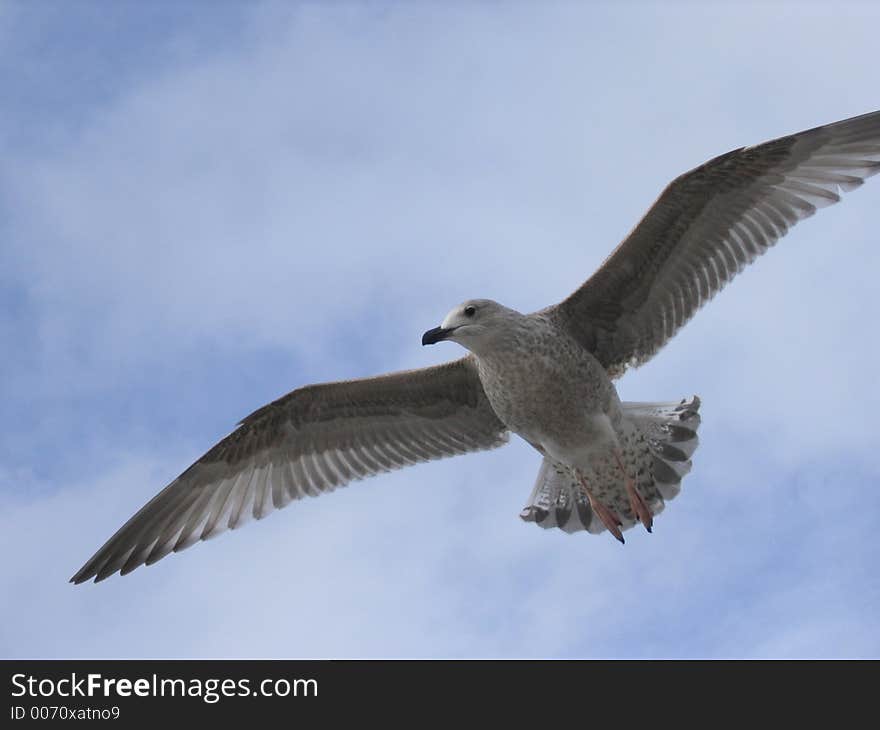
{"x": 308, "y": 442}
{"x": 707, "y": 226}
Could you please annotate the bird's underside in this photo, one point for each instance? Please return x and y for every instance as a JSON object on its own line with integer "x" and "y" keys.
{"x": 705, "y": 227}
{"x": 656, "y": 454}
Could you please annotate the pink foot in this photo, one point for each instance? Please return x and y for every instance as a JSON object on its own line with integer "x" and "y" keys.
{"x": 638, "y": 506}
{"x": 609, "y": 517}
{"x": 636, "y": 503}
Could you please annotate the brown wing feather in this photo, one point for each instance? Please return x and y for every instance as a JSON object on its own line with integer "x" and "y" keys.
{"x": 705, "y": 227}
{"x": 308, "y": 442}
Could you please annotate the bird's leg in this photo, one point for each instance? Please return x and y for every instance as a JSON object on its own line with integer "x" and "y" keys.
{"x": 637, "y": 504}
{"x": 609, "y": 517}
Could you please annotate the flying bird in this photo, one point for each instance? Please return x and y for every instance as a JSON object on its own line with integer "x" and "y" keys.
{"x": 545, "y": 376}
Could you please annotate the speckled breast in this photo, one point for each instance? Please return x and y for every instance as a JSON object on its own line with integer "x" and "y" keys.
{"x": 543, "y": 384}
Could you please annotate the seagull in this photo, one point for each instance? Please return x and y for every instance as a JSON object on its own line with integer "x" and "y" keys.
{"x": 547, "y": 376}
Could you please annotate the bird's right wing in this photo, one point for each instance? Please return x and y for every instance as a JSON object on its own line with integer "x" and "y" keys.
{"x": 704, "y": 229}
{"x": 310, "y": 441}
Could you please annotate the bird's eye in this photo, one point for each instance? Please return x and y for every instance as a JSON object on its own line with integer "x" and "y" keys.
{"x": 470, "y": 311}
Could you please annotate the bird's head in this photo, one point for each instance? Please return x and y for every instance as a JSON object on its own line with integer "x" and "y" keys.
{"x": 472, "y": 324}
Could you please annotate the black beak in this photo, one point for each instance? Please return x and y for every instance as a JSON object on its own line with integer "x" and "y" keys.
{"x": 436, "y": 335}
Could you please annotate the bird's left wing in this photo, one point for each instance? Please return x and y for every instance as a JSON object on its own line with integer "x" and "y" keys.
{"x": 705, "y": 227}
{"x": 308, "y": 442}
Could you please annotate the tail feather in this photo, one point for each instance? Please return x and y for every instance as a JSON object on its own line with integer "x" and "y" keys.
{"x": 558, "y": 501}
{"x": 671, "y": 430}
{"x": 670, "y": 439}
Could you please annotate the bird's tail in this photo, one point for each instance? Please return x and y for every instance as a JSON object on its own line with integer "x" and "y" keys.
{"x": 661, "y": 438}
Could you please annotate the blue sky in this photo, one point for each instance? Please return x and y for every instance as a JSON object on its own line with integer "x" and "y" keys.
{"x": 201, "y": 210}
